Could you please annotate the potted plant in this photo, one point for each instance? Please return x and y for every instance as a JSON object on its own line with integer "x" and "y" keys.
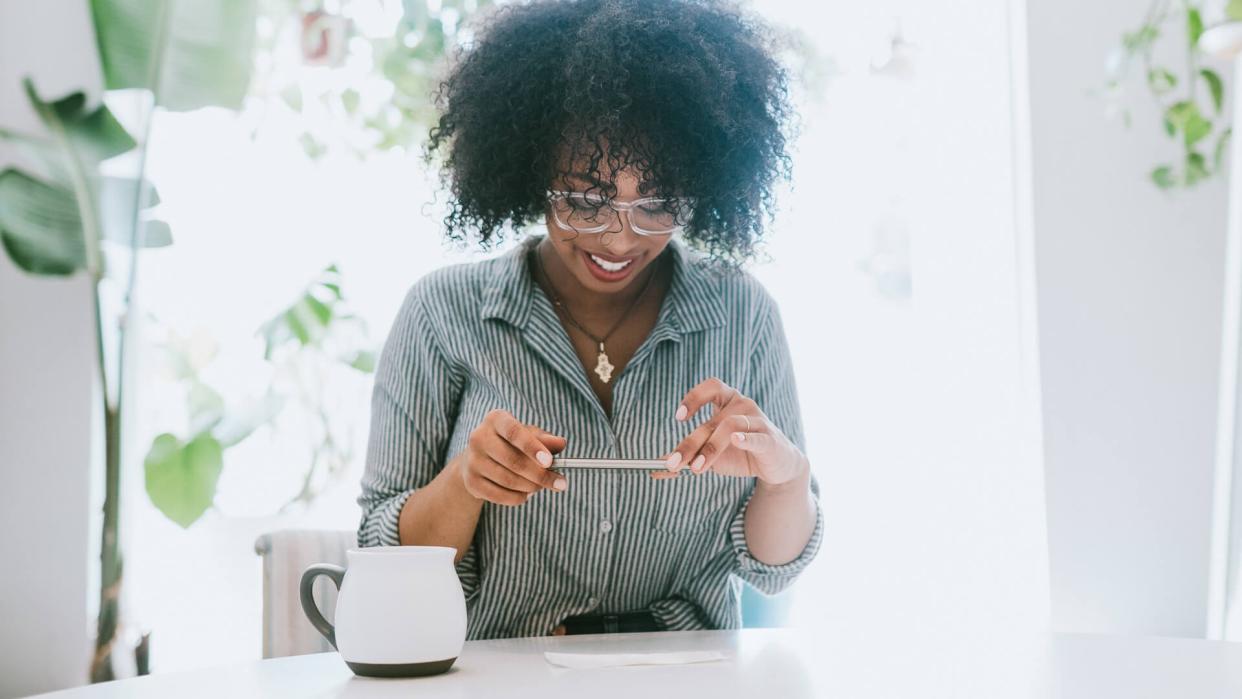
{"x": 85, "y": 205}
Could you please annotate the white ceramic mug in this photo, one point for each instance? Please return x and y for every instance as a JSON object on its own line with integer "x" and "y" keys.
{"x": 400, "y": 611}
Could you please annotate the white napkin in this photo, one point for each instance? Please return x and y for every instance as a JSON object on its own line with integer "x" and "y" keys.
{"x": 579, "y": 661}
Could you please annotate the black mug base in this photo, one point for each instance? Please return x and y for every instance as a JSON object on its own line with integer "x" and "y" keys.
{"x": 434, "y": 667}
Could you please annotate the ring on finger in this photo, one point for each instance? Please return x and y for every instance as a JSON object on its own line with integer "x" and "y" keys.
{"x": 747, "y": 419}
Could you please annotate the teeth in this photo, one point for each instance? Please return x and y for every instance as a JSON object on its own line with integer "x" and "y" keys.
{"x": 610, "y": 266}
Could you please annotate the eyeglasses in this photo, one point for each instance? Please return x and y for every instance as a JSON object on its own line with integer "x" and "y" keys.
{"x": 584, "y": 212}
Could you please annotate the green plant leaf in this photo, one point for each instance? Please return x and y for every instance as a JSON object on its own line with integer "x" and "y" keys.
{"x": 275, "y": 333}
{"x": 313, "y": 147}
{"x": 1163, "y": 177}
{"x": 1141, "y": 40}
{"x": 81, "y": 139}
{"x": 297, "y": 325}
{"x": 157, "y": 235}
{"x": 239, "y": 424}
{"x": 1186, "y": 118}
{"x": 95, "y": 134}
{"x": 1160, "y": 80}
{"x": 116, "y": 212}
{"x": 363, "y": 360}
{"x": 206, "y": 49}
{"x": 1234, "y": 9}
{"x": 181, "y": 478}
{"x": 1178, "y": 112}
{"x": 292, "y": 96}
{"x": 1196, "y": 168}
{"x": 1194, "y": 25}
{"x": 1196, "y": 130}
{"x": 1216, "y": 87}
{"x": 350, "y": 99}
{"x": 206, "y": 407}
{"x": 39, "y": 151}
{"x": 318, "y": 309}
{"x": 1222, "y": 145}
{"x": 40, "y": 226}
{"x": 309, "y": 318}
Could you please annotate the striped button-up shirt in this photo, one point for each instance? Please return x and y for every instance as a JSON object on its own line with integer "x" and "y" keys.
{"x": 470, "y": 338}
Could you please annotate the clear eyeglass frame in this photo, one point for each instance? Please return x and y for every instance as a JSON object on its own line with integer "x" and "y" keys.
{"x": 618, "y": 209}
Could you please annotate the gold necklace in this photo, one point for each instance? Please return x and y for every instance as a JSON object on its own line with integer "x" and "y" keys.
{"x": 603, "y": 367}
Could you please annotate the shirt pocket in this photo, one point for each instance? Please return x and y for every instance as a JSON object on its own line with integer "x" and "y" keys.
{"x": 693, "y": 503}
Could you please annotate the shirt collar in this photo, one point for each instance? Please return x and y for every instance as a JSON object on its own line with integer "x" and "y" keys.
{"x": 692, "y": 304}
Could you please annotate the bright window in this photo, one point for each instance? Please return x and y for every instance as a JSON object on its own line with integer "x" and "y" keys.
{"x": 896, "y": 261}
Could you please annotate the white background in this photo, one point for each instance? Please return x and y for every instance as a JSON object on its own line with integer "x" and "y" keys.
{"x": 911, "y": 379}
{"x": 1130, "y": 288}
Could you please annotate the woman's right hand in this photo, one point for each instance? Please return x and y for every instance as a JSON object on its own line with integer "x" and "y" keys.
{"x": 506, "y": 461}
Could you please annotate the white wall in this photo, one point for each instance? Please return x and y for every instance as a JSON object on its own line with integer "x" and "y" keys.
{"x": 1129, "y": 294}
{"x": 46, "y": 364}
{"x": 918, "y": 395}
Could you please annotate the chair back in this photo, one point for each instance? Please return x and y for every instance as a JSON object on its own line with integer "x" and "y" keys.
{"x": 286, "y": 554}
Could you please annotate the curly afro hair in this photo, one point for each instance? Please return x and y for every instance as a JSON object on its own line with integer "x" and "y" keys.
{"x": 687, "y": 94}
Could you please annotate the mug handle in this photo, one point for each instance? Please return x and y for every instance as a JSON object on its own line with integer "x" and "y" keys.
{"x": 336, "y": 574}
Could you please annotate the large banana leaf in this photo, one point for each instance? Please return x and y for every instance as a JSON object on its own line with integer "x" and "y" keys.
{"x": 95, "y": 133}
{"x": 40, "y": 226}
{"x": 88, "y": 136}
{"x": 50, "y": 234}
{"x": 41, "y": 229}
{"x": 189, "y": 53}
{"x": 117, "y": 196}
{"x": 54, "y": 226}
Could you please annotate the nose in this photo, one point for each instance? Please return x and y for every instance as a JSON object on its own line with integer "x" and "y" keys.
{"x": 620, "y": 238}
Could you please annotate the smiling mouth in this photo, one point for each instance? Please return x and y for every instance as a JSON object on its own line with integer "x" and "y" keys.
{"x": 606, "y": 269}
{"x": 609, "y": 265}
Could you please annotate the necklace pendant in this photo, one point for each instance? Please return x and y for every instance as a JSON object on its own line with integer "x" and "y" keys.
{"x": 603, "y": 368}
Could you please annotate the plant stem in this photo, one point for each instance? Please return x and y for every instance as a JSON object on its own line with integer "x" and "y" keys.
{"x": 110, "y": 552}
{"x": 111, "y": 562}
{"x": 110, "y": 559}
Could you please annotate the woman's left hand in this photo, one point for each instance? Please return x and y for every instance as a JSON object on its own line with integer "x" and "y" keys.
{"x": 738, "y": 440}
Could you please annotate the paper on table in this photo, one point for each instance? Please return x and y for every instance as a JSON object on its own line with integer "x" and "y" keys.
{"x": 579, "y": 661}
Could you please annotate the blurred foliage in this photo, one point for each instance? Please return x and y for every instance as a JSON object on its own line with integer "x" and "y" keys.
{"x": 301, "y": 343}
{"x": 366, "y": 86}
{"x": 1190, "y": 98}
{"x": 60, "y": 211}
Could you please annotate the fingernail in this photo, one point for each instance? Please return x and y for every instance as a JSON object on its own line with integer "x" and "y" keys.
{"x": 681, "y": 412}
{"x": 560, "y": 484}
{"x": 739, "y": 436}
{"x": 544, "y": 458}
{"x": 673, "y": 460}
{"x": 697, "y": 463}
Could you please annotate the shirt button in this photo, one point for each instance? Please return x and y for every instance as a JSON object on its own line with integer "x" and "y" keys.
{"x": 592, "y": 602}
{"x": 605, "y": 526}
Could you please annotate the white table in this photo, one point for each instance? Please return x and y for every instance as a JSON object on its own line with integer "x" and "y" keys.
{"x": 763, "y": 664}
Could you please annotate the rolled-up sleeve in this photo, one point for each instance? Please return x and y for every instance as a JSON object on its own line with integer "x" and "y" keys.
{"x": 772, "y": 386}
{"x": 413, "y": 409}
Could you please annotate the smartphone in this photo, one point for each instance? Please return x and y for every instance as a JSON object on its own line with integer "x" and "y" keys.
{"x": 624, "y": 464}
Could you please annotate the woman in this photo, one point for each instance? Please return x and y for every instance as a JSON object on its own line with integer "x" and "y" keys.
{"x": 626, "y": 126}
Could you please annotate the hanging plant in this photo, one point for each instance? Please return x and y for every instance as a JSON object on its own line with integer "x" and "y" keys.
{"x": 1189, "y": 95}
